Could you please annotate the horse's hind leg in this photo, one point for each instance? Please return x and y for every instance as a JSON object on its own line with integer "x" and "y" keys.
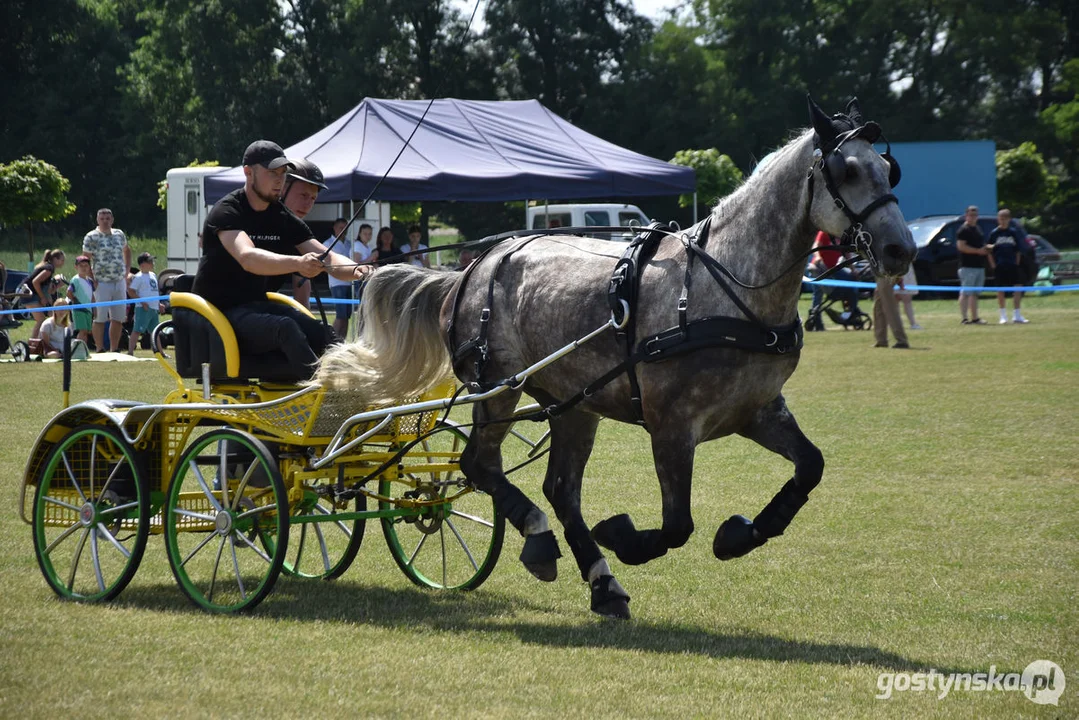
{"x": 481, "y": 463}
{"x": 773, "y": 427}
{"x": 572, "y": 437}
{"x": 673, "y": 456}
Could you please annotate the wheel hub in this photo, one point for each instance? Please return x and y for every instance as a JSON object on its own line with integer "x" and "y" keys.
{"x": 87, "y": 514}
{"x": 223, "y": 522}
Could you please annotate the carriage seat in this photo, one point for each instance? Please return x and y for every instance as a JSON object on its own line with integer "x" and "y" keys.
{"x": 202, "y": 334}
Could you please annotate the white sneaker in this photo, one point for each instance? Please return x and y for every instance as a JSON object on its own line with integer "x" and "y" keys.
{"x": 916, "y": 326}
{"x": 1004, "y": 321}
{"x": 1021, "y": 320}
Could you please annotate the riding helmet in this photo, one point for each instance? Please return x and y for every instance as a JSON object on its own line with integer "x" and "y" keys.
{"x": 307, "y": 171}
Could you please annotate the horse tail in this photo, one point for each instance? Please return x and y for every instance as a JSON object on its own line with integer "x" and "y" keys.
{"x": 400, "y": 352}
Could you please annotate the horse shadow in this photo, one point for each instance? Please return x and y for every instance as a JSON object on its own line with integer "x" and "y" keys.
{"x": 493, "y": 612}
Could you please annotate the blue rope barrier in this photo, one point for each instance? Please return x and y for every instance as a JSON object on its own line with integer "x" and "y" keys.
{"x": 947, "y": 288}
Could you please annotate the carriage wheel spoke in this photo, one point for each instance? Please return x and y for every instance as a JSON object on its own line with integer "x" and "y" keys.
{"x": 322, "y": 546}
{"x": 118, "y": 508}
{"x": 112, "y": 539}
{"x": 192, "y": 514}
{"x": 63, "y": 536}
{"x": 198, "y": 547}
{"x": 112, "y": 474}
{"x": 253, "y": 546}
{"x": 344, "y": 528}
{"x": 423, "y": 539}
{"x": 93, "y": 452}
{"x": 97, "y": 559}
{"x": 202, "y": 483}
{"x": 78, "y": 556}
{"x": 71, "y": 476}
{"x": 299, "y": 550}
{"x": 464, "y": 545}
{"x": 236, "y": 565}
{"x": 223, "y": 472}
{"x": 236, "y": 496}
{"x": 473, "y": 518}
{"x": 256, "y": 511}
{"x": 217, "y": 564}
{"x": 442, "y": 540}
{"x": 61, "y": 503}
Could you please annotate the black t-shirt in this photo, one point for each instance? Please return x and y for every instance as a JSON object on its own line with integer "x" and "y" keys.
{"x": 220, "y": 278}
{"x": 972, "y": 236}
{"x": 391, "y": 256}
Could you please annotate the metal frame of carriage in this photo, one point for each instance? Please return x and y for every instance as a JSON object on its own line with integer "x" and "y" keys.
{"x": 246, "y": 480}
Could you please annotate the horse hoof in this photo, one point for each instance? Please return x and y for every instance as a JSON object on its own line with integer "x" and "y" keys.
{"x": 735, "y": 538}
{"x": 540, "y": 555}
{"x": 609, "y": 599}
{"x": 612, "y": 532}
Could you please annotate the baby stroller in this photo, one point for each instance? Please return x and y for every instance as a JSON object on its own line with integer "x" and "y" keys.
{"x": 840, "y": 304}
{"x": 19, "y": 351}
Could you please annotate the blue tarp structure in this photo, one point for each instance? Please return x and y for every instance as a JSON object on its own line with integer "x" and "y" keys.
{"x": 475, "y": 150}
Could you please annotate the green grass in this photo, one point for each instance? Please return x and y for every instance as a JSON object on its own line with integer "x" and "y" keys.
{"x": 944, "y": 535}
{"x": 14, "y": 256}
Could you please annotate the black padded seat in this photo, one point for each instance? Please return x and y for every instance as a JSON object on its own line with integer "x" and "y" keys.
{"x": 198, "y": 342}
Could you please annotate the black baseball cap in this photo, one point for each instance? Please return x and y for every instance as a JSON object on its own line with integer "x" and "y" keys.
{"x": 265, "y": 153}
{"x": 145, "y": 257}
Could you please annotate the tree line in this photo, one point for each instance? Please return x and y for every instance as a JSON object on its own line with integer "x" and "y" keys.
{"x": 115, "y": 92}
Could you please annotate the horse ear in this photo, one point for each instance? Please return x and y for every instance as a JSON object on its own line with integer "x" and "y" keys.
{"x": 821, "y": 123}
{"x": 854, "y": 112}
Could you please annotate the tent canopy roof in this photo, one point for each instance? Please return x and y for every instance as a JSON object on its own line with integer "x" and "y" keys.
{"x": 479, "y": 150}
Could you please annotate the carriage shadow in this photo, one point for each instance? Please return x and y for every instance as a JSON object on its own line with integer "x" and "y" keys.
{"x": 492, "y": 612}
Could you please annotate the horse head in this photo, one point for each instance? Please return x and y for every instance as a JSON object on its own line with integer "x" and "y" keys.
{"x": 851, "y": 189}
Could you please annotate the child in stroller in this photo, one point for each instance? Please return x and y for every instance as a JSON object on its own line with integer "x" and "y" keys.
{"x": 824, "y": 297}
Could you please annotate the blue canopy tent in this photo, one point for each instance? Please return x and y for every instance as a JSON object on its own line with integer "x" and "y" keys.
{"x": 470, "y": 150}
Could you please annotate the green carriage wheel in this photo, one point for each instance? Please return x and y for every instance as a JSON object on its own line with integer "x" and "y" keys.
{"x": 226, "y": 521}
{"x": 91, "y": 515}
{"x": 324, "y": 550}
{"x": 451, "y": 545}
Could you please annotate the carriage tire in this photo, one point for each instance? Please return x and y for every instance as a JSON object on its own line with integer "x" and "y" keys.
{"x": 92, "y": 501}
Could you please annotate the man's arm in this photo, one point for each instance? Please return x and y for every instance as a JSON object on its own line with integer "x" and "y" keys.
{"x": 337, "y": 265}
{"x": 263, "y": 262}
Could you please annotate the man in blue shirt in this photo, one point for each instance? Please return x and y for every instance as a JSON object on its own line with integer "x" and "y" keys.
{"x": 1005, "y": 244}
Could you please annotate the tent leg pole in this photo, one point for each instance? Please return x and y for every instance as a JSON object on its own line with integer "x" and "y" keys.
{"x": 526, "y": 214}
{"x": 694, "y": 207}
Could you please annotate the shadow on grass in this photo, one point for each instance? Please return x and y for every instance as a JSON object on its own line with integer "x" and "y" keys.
{"x": 494, "y": 613}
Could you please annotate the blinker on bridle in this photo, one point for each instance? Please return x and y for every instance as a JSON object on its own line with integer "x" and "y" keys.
{"x": 832, "y": 165}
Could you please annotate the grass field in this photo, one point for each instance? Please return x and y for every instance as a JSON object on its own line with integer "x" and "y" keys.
{"x": 943, "y": 536}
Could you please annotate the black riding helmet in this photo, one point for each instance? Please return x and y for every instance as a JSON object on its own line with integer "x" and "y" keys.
{"x": 307, "y": 171}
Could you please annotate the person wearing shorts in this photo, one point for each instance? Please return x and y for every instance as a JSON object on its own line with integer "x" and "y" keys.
{"x": 110, "y": 257}
{"x": 81, "y": 292}
{"x": 972, "y": 258}
{"x": 1005, "y": 242}
{"x": 144, "y": 285}
{"x": 341, "y": 289}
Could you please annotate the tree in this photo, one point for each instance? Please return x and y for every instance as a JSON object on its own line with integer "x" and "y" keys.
{"x": 32, "y": 190}
{"x": 717, "y": 175}
{"x": 1023, "y": 182}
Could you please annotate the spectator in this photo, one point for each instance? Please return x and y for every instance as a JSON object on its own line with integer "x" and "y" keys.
{"x": 886, "y": 314}
{"x": 972, "y": 257}
{"x": 144, "y": 285}
{"x": 361, "y": 253}
{"x": 341, "y": 289}
{"x": 81, "y": 291}
{"x": 905, "y": 294}
{"x": 824, "y": 260}
{"x": 384, "y": 252}
{"x": 52, "y": 330}
{"x": 41, "y": 283}
{"x": 414, "y": 235}
{"x": 1005, "y": 242}
{"x": 110, "y": 257}
{"x": 466, "y": 258}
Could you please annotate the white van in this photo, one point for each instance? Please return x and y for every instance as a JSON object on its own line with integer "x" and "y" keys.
{"x": 588, "y": 215}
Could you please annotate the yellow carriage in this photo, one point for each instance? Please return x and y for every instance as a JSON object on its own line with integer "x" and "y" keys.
{"x": 246, "y": 479}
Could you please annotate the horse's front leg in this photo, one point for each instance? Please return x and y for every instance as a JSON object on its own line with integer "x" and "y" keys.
{"x": 773, "y": 427}
{"x": 572, "y": 438}
{"x": 481, "y": 463}
{"x": 673, "y": 456}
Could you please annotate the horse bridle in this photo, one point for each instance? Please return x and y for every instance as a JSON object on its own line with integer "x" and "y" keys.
{"x": 829, "y": 160}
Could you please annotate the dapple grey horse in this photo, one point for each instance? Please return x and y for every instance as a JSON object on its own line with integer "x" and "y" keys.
{"x": 539, "y": 294}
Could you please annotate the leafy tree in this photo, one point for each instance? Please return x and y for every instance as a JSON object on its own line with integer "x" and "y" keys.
{"x": 1023, "y": 182}
{"x": 32, "y": 190}
{"x": 717, "y": 175}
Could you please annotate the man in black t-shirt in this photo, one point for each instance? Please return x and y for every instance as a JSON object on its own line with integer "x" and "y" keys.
{"x": 970, "y": 243}
{"x": 241, "y": 239}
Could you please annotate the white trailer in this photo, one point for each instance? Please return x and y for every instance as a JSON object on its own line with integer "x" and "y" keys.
{"x": 187, "y": 211}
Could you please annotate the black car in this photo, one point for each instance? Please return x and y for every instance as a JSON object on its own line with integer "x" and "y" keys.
{"x": 937, "y": 261}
